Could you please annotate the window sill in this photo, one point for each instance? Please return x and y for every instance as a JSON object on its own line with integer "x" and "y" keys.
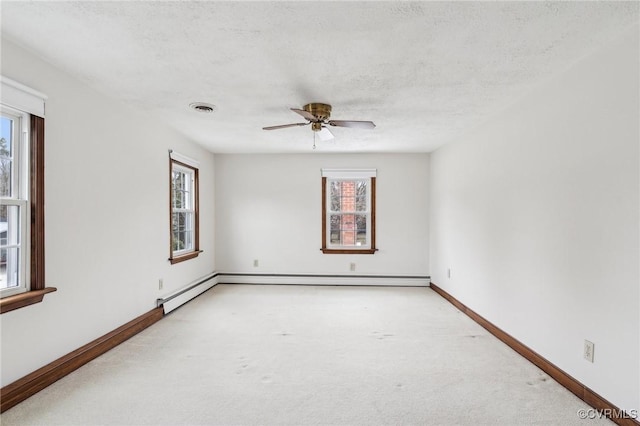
{"x": 184, "y": 257}
{"x": 24, "y": 299}
{"x": 347, "y": 251}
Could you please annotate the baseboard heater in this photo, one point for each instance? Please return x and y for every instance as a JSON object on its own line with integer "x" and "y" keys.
{"x": 325, "y": 279}
{"x": 182, "y": 296}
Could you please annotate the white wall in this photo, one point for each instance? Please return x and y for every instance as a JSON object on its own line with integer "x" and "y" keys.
{"x": 536, "y": 213}
{"x": 268, "y": 207}
{"x": 106, "y": 218}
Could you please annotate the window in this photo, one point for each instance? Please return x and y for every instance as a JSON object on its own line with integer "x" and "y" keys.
{"x": 184, "y": 228}
{"x": 14, "y": 208}
{"x": 21, "y": 197}
{"x": 348, "y": 211}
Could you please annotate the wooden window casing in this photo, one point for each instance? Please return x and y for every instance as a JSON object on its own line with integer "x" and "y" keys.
{"x": 371, "y": 233}
{"x": 177, "y": 258}
{"x": 37, "y": 287}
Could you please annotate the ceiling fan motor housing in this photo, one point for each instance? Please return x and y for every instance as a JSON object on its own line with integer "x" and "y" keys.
{"x": 321, "y": 111}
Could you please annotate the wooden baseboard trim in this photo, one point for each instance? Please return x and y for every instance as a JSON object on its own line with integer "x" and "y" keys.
{"x": 29, "y": 385}
{"x": 604, "y": 408}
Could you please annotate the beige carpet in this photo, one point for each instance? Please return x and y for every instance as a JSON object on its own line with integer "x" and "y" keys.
{"x": 298, "y": 355}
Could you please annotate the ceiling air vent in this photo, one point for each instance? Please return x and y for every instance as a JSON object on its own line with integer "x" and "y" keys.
{"x": 203, "y": 107}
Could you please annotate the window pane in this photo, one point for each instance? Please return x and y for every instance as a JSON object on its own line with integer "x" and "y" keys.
{"x": 179, "y": 221}
{"x": 188, "y": 190}
{"x": 188, "y": 240}
{"x": 9, "y": 267}
{"x": 361, "y": 195}
{"x": 183, "y": 230}
{"x": 178, "y": 183}
{"x": 347, "y": 227}
{"x": 361, "y": 230}
{"x": 178, "y": 241}
{"x": 335, "y": 188}
{"x": 334, "y": 236}
{"x": 348, "y": 196}
{"x": 9, "y": 225}
{"x": 348, "y": 238}
{"x": 334, "y": 197}
{"x": 5, "y": 177}
{"x": 6, "y": 156}
{"x": 189, "y": 231}
{"x": 177, "y": 199}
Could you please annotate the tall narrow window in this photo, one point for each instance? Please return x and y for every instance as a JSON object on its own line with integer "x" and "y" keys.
{"x": 348, "y": 211}
{"x": 14, "y": 208}
{"x": 184, "y": 228}
{"x": 22, "y": 277}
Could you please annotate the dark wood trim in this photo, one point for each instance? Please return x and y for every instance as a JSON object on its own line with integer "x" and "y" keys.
{"x": 37, "y": 288}
{"x": 170, "y": 207}
{"x": 37, "y": 203}
{"x": 581, "y": 391}
{"x": 372, "y": 235}
{"x": 347, "y": 251}
{"x": 196, "y": 206}
{"x": 29, "y": 385}
{"x": 196, "y": 217}
{"x": 184, "y": 257}
{"x": 21, "y": 300}
{"x": 373, "y": 215}
{"x": 324, "y": 214}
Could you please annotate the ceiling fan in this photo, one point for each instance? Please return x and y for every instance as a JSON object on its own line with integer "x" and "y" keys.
{"x": 317, "y": 115}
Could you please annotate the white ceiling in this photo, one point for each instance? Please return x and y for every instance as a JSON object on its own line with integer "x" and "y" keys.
{"x": 424, "y": 72}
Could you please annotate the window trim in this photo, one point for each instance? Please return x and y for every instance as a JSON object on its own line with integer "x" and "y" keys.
{"x": 37, "y": 288}
{"x": 184, "y": 162}
{"x": 372, "y": 235}
{"x": 20, "y": 195}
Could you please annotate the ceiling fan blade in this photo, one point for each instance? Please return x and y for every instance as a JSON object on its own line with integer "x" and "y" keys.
{"x": 284, "y": 126}
{"x": 352, "y": 124}
{"x": 325, "y": 134}
{"x": 305, "y": 114}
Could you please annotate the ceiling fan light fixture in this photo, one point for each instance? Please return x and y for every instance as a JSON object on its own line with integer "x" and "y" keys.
{"x": 203, "y": 107}
{"x": 317, "y": 115}
{"x": 320, "y": 111}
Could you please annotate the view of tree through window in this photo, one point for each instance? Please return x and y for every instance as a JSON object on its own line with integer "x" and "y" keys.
{"x": 184, "y": 211}
{"x": 13, "y": 206}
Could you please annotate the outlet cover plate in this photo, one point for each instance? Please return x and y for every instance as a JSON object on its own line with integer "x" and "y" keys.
{"x": 588, "y": 350}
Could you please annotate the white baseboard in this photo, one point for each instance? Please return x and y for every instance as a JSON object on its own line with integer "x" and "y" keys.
{"x": 305, "y": 279}
{"x": 182, "y": 296}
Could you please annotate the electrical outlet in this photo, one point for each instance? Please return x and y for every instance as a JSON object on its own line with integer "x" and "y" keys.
{"x": 448, "y": 272}
{"x": 588, "y": 350}
{"x": 352, "y": 267}
{"x": 160, "y": 284}
{"x": 255, "y": 263}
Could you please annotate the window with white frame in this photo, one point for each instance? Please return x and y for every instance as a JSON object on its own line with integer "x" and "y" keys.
{"x": 22, "y": 272}
{"x": 348, "y": 211}
{"x": 14, "y": 209}
{"x": 184, "y": 208}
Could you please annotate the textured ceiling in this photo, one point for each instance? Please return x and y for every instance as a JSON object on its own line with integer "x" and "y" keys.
{"x": 424, "y": 72}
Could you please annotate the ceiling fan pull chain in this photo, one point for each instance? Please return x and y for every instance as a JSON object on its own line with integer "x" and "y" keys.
{"x": 314, "y": 140}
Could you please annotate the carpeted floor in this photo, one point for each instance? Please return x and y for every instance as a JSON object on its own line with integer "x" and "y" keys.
{"x": 306, "y": 355}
